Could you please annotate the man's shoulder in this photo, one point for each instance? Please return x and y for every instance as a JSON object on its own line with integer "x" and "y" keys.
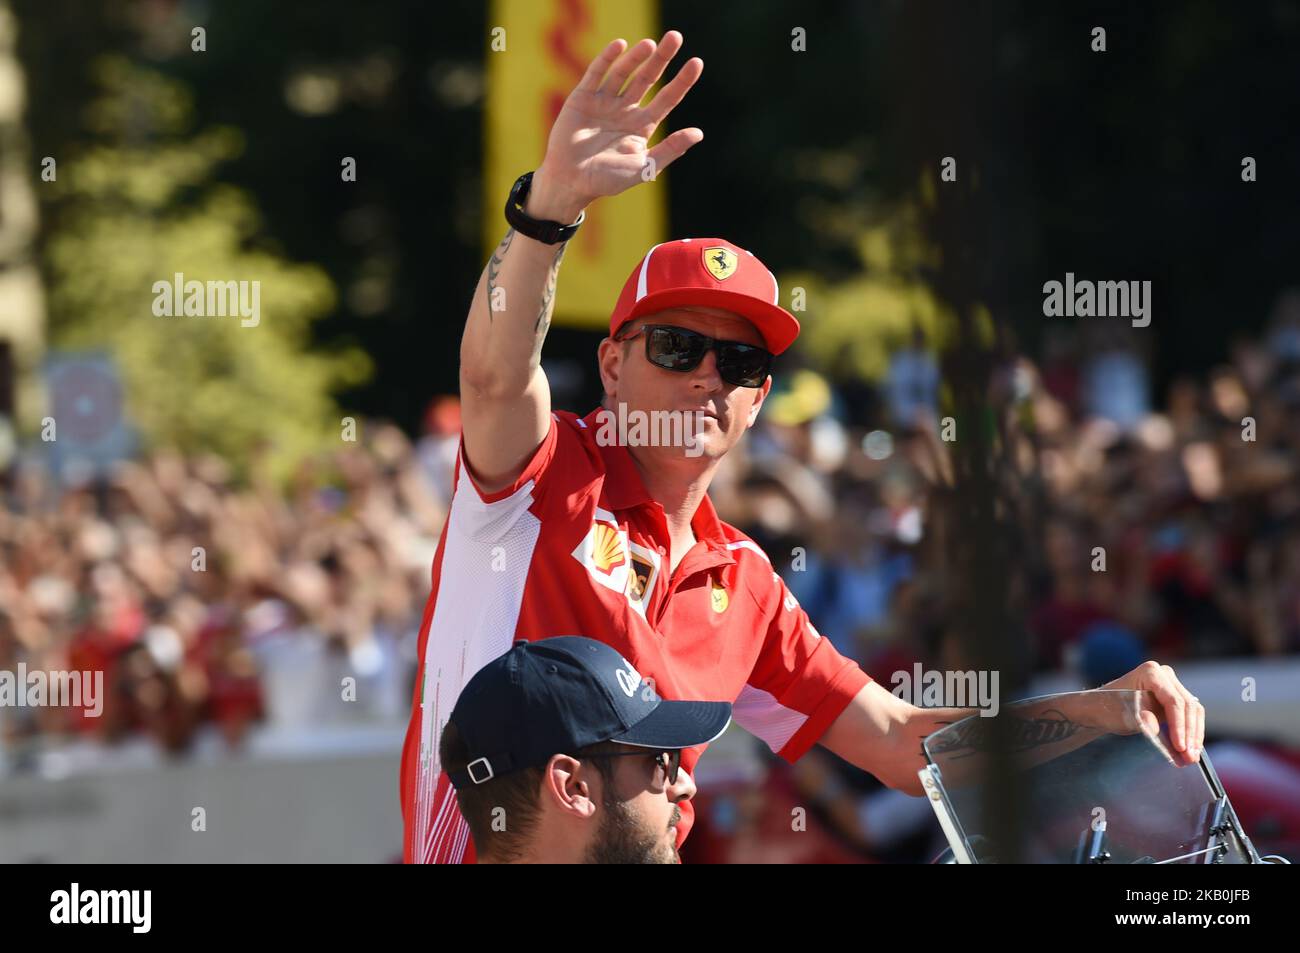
{"x": 570, "y": 418}
{"x": 754, "y": 566}
{"x": 576, "y": 440}
{"x": 743, "y": 548}
{"x": 567, "y": 457}
{"x": 755, "y": 573}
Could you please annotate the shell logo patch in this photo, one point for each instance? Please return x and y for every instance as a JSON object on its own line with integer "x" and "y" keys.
{"x": 614, "y": 561}
{"x": 718, "y": 598}
{"x": 607, "y": 548}
{"x": 603, "y": 551}
{"x": 719, "y": 262}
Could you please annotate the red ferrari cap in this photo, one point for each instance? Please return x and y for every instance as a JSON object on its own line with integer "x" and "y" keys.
{"x": 710, "y": 272}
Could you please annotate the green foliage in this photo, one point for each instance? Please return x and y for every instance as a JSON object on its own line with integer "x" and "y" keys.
{"x": 140, "y": 204}
{"x": 853, "y": 325}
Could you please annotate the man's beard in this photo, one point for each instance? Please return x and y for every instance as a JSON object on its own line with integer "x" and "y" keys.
{"x": 623, "y": 839}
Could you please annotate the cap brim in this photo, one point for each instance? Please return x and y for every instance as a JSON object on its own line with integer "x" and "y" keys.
{"x": 678, "y": 724}
{"x": 778, "y": 326}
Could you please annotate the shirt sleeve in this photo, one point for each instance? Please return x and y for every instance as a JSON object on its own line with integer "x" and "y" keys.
{"x": 490, "y": 516}
{"x": 800, "y": 683}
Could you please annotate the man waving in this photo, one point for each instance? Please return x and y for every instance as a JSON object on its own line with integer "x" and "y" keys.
{"x": 594, "y": 526}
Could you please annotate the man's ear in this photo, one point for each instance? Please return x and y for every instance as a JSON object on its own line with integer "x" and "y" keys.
{"x": 758, "y": 401}
{"x": 567, "y": 786}
{"x": 609, "y": 358}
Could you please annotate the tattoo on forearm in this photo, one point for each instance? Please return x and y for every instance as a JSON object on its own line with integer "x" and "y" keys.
{"x": 494, "y": 266}
{"x": 548, "y": 293}
{"x": 1026, "y": 733}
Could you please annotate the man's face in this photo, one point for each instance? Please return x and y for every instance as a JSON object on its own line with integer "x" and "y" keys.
{"x": 728, "y": 410}
{"x": 639, "y": 814}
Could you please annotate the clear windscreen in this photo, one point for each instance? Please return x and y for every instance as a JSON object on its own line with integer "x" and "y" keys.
{"x": 1075, "y": 777}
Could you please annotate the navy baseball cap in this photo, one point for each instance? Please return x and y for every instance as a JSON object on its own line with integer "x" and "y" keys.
{"x": 557, "y": 695}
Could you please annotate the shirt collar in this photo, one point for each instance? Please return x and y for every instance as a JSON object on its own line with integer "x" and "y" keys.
{"x": 706, "y": 525}
{"x": 625, "y": 489}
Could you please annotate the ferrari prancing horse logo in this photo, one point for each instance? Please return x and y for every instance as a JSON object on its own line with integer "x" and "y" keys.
{"x": 720, "y": 262}
{"x": 718, "y": 598}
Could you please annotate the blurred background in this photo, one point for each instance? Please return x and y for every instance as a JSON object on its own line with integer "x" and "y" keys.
{"x": 236, "y": 524}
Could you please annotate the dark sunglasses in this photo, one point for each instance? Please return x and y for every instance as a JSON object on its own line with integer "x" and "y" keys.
{"x": 670, "y": 761}
{"x": 681, "y": 349}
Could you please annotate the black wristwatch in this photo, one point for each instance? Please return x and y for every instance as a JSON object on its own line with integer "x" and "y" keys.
{"x": 551, "y": 233}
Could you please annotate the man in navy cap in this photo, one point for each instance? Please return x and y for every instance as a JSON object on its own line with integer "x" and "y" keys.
{"x": 561, "y": 753}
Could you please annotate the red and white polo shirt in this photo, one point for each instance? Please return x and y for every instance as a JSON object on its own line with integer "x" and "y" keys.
{"x": 576, "y": 546}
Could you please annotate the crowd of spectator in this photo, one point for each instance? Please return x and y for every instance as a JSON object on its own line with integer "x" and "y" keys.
{"x": 210, "y": 599}
{"x": 206, "y": 599}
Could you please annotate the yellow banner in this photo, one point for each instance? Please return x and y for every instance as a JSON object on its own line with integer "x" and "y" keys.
{"x": 537, "y": 51}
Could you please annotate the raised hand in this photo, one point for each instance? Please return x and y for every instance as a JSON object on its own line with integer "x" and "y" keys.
{"x": 599, "y": 142}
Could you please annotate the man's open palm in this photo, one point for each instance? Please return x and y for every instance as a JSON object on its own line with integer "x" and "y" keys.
{"x": 598, "y": 145}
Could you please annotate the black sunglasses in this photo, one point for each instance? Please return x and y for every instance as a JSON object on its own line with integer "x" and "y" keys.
{"x": 681, "y": 349}
{"x": 669, "y": 760}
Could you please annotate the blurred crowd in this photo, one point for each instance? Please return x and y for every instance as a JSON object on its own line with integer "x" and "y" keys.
{"x": 1168, "y": 531}
{"x": 204, "y": 601}
{"x": 1139, "y": 530}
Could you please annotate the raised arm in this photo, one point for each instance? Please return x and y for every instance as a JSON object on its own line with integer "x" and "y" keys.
{"x": 597, "y": 146}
